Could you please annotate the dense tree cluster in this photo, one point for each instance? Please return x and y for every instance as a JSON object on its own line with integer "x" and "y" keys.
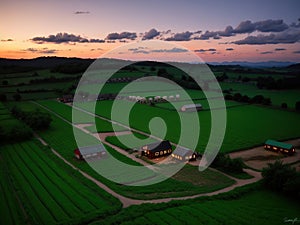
{"x": 19, "y": 132}
{"x": 284, "y": 83}
{"x": 225, "y": 163}
{"x": 257, "y": 99}
{"x": 37, "y": 120}
{"x": 53, "y": 79}
{"x": 283, "y": 178}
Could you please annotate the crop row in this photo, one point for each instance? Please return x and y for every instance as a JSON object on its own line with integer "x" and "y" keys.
{"x": 255, "y": 207}
{"x": 49, "y": 194}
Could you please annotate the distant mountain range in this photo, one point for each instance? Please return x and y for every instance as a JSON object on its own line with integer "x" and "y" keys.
{"x": 50, "y": 62}
{"x": 254, "y": 64}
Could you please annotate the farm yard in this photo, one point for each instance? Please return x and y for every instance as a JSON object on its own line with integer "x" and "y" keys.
{"x": 38, "y": 187}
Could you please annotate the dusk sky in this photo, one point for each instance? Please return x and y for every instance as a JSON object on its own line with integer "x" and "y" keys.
{"x": 216, "y": 30}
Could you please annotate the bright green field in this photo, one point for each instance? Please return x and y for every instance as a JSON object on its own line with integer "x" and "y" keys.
{"x": 135, "y": 141}
{"x": 247, "y": 125}
{"x": 60, "y": 137}
{"x": 65, "y": 111}
{"x": 49, "y": 193}
{"x": 277, "y": 96}
{"x": 257, "y": 207}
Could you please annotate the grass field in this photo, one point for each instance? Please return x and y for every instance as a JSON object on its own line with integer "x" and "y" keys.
{"x": 60, "y": 137}
{"x": 65, "y": 111}
{"x": 255, "y": 207}
{"x": 277, "y": 96}
{"x": 135, "y": 140}
{"x": 51, "y": 194}
{"x": 242, "y": 121}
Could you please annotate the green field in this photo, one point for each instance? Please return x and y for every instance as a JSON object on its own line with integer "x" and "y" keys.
{"x": 60, "y": 137}
{"x": 49, "y": 193}
{"x": 277, "y": 96}
{"x": 136, "y": 140}
{"x": 65, "y": 111}
{"x": 254, "y": 207}
{"x": 242, "y": 122}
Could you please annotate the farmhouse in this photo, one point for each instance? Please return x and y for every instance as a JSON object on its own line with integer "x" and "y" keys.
{"x": 157, "y": 149}
{"x": 191, "y": 108}
{"x": 184, "y": 154}
{"x": 90, "y": 152}
{"x": 279, "y": 147}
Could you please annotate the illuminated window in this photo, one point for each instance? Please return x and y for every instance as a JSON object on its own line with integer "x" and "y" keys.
{"x": 165, "y": 152}
{"x": 161, "y": 152}
{"x": 156, "y": 153}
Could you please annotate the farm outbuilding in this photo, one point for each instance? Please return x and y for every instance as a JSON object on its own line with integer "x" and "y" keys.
{"x": 157, "y": 149}
{"x": 279, "y": 147}
{"x": 184, "y": 154}
{"x": 191, "y": 108}
{"x": 90, "y": 152}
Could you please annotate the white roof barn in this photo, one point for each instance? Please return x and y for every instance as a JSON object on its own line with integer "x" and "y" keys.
{"x": 191, "y": 108}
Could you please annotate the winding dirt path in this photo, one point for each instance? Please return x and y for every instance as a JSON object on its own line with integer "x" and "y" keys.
{"x": 129, "y": 201}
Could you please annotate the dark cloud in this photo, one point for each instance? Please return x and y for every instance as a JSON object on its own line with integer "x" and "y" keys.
{"x": 81, "y": 12}
{"x": 296, "y": 52}
{"x": 229, "y": 49}
{"x": 184, "y": 36}
{"x": 96, "y": 41}
{"x": 262, "y": 26}
{"x": 48, "y": 51}
{"x": 245, "y": 27}
{"x": 285, "y": 37}
{"x": 150, "y": 34}
{"x": 207, "y": 35}
{"x": 7, "y": 40}
{"x": 270, "y": 26}
{"x": 228, "y": 32}
{"x": 279, "y": 49}
{"x": 173, "y": 50}
{"x": 42, "y": 51}
{"x": 142, "y": 50}
{"x": 31, "y": 50}
{"x": 123, "y": 35}
{"x": 205, "y": 50}
{"x": 139, "y": 50}
{"x": 60, "y": 38}
{"x": 267, "y": 52}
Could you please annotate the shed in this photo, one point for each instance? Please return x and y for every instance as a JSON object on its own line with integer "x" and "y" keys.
{"x": 90, "y": 152}
{"x": 191, "y": 108}
{"x": 184, "y": 154}
{"x": 279, "y": 147}
{"x": 157, "y": 149}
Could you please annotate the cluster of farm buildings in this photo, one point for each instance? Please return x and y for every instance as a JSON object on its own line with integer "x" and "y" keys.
{"x": 164, "y": 148}
{"x": 151, "y": 151}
